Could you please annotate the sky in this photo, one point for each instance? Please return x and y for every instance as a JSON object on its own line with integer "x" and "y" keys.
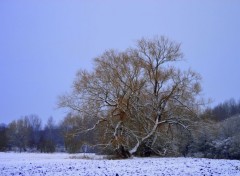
{"x": 43, "y": 43}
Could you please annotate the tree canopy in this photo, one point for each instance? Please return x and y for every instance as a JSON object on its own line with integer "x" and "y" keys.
{"x": 137, "y": 96}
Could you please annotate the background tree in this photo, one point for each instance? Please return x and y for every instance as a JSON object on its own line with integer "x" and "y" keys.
{"x": 34, "y": 128}
{"x": 48, "y": 137}
{"x": 75, "y": 142}
{"x": 18, "y": 134}
{"x": 3, "y": 137}
{"x": 218, "y": 134}
{"x": 72, "y": 141}
{"x": 137, "y": 95}
{"x": 223, "y": 110}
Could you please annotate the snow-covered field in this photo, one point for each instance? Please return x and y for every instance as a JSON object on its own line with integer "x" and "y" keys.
{"x": 65, "y": 164}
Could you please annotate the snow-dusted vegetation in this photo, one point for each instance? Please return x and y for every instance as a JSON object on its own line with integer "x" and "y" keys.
{"x": 30, "y": 164}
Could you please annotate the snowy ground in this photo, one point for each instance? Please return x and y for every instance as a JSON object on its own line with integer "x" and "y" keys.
{"x": 64, "y": 164}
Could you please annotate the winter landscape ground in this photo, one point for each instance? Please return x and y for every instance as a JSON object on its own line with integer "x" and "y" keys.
{"x": 30, "y": 164}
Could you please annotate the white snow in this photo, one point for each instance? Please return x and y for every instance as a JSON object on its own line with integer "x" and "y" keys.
{"x": 30, "y": 164}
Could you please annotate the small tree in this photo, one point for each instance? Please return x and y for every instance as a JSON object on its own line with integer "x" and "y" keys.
{"x": 137, "y": 95}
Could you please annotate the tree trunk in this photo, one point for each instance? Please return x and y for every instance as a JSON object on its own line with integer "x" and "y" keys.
{"x": 122, "y": 152}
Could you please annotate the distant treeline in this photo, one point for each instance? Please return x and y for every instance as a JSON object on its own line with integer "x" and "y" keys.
{"x": 216, "y": 135}
{"x": 223, "y": 110}
{"x": 27, "y": 133}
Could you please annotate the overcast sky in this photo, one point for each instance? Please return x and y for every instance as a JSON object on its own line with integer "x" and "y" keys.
{"x": 44, "y": 42}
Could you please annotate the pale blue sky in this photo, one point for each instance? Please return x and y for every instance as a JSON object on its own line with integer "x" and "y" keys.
{"x": 44, "y": 42}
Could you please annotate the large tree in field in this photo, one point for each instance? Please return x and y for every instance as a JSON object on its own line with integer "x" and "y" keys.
{"x": 137, "y": 96}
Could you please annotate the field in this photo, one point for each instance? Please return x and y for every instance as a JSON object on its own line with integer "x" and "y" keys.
{"x": 30, "y": 164}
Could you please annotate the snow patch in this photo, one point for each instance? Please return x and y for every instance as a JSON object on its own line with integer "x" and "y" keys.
{"x": 30, "y": 164}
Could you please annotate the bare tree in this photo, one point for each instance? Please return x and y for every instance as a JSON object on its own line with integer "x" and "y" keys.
{"x": 48, "y": 137}
{"x": 25, "y": 132}
{"x": 137, "y": 95}
{"x": 18, "y": 134}
{"x": 34, "y": 127}
{"x": 3, "y": 137}
{"x": 69, "y": 126}
{"x": 75, "y": 142}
